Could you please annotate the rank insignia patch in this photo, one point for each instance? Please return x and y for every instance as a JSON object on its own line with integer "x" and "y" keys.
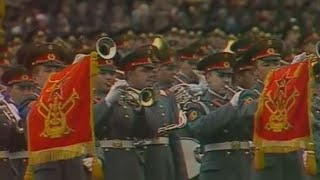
{"x": 248, "y": 101}
{"x": 193, "y": 115}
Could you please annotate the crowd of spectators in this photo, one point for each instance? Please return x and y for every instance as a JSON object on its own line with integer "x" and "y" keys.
{"x": 65, "y": 17}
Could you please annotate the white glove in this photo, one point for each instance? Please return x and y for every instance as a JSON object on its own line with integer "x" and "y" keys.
{"x": 78, "y": 58}
{"x": 114, "y": 93}
{"x": 299, "y": 58}
{"x": 196, "y": 89}
{"x": 235, "y": 99}
{"x": 88, "y": 162}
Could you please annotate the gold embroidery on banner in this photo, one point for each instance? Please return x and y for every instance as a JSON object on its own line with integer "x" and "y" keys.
{"x": 55, "y": 111}
{"x": 280, "y": 104}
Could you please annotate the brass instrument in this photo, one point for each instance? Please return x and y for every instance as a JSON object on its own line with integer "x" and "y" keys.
{"x": 5, "y": 109}
{"x": 106, "y": 48}
{"x": 137, "y": 99}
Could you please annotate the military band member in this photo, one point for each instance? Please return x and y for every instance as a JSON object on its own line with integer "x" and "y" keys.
{"x": 43, "y": 60}
{"x": 127, "y": 129}
{"x": 213, "y": 121}
{"x": 187, "y": 63}
{"x": 244, "y": 70}
{"x": 105, "y": 78}
{"x": 19, "y": 84}
{"x": 266, "y": 55}
{"x": 8, "y": 128}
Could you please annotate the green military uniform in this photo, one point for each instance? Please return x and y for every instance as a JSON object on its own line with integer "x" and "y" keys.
{"x": 223, "y": 137}
{"x": 277, "y": 166}
{"x": 129, "y": 134}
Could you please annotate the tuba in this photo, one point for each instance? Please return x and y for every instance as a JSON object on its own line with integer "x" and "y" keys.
{"x": 106, "y": 48}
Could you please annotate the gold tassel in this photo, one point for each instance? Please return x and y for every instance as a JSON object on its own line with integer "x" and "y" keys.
{"x": 97, "y": 171}
{"x": 259, "y": 159}
{"x": 29, "y": 174}
{"x": 311, "y": 165}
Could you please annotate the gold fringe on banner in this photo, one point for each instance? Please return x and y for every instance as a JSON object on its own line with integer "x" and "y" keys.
{"x": 28, "y": 174}
{"x": 310, "y": 165}
{"x": 258, "y": 159}
{"x": 61, "y": 153}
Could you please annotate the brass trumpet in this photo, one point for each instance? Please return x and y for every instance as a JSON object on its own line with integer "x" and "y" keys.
{"x": 137, "y": 99}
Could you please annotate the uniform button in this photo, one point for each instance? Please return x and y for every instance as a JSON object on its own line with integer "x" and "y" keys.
{"x": 145, "y": 147}
{"x": 24, "y": 160}
{"x": 5, "y": 160}
{"x": 165, "y": 124}
{"x": 225, "y": 131}
{"x": 247, "y": 152}
{"x": 163, "y": 114}
{"x": 106, "y": 149}
{"x": 161, "y": 106}
{"x": 125, "y": 107}
{"x": 126, "y": 116}
{"x": 228, "y": 152}
{"x": 127, "y": 149}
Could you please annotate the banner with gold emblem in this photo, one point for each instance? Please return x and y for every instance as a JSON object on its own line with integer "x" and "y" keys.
{"x": 283, "y": 118}
{"x": 60, "y": 121}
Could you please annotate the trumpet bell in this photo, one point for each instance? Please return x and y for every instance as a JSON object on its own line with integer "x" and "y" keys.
{"x": 106, "y": 48}
{"x": 147, "y": 97}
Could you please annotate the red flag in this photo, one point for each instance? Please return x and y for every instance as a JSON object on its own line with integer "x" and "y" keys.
{"x": 60, "y": 121}
{"x": 283, "y": 121}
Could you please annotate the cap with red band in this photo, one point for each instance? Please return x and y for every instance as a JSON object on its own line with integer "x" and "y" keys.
{"x": 145, "y": 55}
{"x": 16, "y": 75}
{"x": 217, "y": 61}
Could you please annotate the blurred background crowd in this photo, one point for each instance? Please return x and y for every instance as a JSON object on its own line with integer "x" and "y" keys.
{"x": 133, "y": 22}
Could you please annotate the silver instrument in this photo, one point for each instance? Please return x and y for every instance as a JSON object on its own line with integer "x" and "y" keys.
{"x": 106, "y": 48}
{"x": 7, "y": 112}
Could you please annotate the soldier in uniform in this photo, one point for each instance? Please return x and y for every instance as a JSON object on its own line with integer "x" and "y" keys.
{"x": 18, "y": 84}
{"x": 127, "y": 128}
{"x": 244, "y": 71}
{"x": 266, "y": 55}
{"x": 188, "y": 59}
{"x": 213, "y": 121}
{"x": 105, "y": 78}
{"x": 43, "y": 60}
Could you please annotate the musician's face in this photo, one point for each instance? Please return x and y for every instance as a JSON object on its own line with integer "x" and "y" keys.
{"x": 263, "y": 67}
{"x": 42, "y": 73}
{"x": 218, "y": 80}
{"x": 104, "y": 80}
{"x": 246, "y": 79}
{"x": 166, "y": 73}
{"x": 142, "y": 76}
{"x": 18, "y": 91}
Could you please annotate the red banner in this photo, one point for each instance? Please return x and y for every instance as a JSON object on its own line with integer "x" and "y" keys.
{"x": 60, "y": 121}
{"x": 282, "y": 121}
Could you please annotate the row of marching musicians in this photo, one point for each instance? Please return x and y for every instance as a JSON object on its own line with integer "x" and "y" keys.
{"x": 145, "y": 124}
